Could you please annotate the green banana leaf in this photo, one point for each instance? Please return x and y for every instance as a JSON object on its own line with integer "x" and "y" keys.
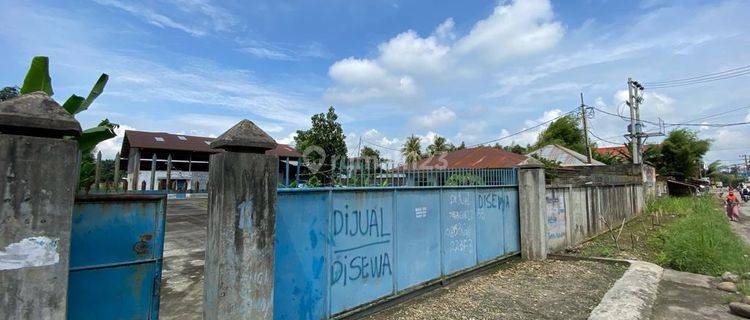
{"x": 73, "y": 103}
{"x": 38, "y": 79}
{"x": 76, "y": 104}
{"x": 89, "y": 138}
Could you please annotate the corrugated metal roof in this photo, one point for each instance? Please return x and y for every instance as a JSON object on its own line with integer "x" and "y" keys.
{"x": 472, "y": 158}
{"x": 181, "y": 142}
{"x": 564, "y": 156}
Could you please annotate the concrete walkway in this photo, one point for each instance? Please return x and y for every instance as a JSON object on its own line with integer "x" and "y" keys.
{"x": 184, "y": 251}
{"x": 685, "y": 295}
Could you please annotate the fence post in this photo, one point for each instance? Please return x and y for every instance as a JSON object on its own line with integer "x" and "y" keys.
{"x": 532, "y": 210}
{"x": 241, "y": 226}
{"x": 39, "y": 179}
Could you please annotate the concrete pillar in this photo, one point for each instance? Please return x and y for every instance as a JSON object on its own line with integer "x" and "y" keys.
{"x": 134, "y": 168}
{"x": 531, "y": 207}
{"x": 241, "y": 226}
{"x": 39, "y": 173}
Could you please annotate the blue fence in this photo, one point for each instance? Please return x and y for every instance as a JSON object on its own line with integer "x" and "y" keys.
{"x": 337, "y": 249}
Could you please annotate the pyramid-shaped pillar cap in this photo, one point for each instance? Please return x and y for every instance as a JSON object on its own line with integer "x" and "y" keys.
{"x": 36, "y": 114}
{"x": 245, "y": 136}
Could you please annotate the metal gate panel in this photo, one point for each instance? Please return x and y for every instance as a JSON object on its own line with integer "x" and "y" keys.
{"x": 417, "y": 220}
{"x": 116, "y": 251}
{"x": 512, "y": 224}
{"x": 300, "y": 275}
{"x": 459, "y": 230}
{"x": 492, "y": 205}
{"x": 361, "y": 248}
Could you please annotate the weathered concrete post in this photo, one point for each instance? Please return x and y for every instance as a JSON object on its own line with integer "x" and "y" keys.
{"x": 241, "y": 226}
{"x": 532, "y": 206}
{"x": 39, "y": 177}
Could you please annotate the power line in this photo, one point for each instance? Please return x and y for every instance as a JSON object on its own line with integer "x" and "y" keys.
{"x": 379, "y": 146}
{"x": 525, "y": 130}
{"x": 699, "y": 81}
{"x": 716, "y": 125}
{"x": 698, "y": 78}
{"x": 602, "y": 139}
{"x": 719, "y": 114}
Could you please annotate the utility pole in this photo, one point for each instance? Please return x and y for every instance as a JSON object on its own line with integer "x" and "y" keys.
{"x": 633, "y": 143}
{"x": 585, "y": 130}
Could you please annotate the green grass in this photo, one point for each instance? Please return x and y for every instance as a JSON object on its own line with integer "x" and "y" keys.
{"x": 689, "y": 234}
{"x": 701, "y": 240}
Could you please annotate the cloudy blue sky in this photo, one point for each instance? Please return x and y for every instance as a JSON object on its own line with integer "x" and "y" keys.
{"x": 472, "y": 71}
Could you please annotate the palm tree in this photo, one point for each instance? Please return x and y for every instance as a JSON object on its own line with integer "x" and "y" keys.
{"x": 713, "y": 170}
{"x": 438, "y": 146}
{"x": 412, "y": 149}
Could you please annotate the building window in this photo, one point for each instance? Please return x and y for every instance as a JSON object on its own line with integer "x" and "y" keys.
{"x": 182, "y": 138}
{"x": 160, "y": 139}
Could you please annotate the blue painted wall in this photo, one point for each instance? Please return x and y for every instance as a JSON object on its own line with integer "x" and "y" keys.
{"x": 337, "y": 249}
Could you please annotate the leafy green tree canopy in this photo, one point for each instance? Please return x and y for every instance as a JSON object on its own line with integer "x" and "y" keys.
{"x": 564, "y": 131}
{"x": 681, "y": 154}
{"x": 412, "y": 149}
{"x": 326, "y": 140}
{"x": 438, "y": 146}
{"x": 8, "y": 93}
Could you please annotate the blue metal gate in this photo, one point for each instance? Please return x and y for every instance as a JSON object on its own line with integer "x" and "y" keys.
{"x": 116, "y": 256}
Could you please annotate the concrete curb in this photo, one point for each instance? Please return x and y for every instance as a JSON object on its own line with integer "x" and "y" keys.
{"x": 633, "y": 296}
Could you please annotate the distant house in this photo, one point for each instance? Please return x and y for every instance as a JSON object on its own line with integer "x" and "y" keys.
{"x": 622, "y": 152}
{"x": 480, "y": 162}
{"x": 190, "y": 160}
{"x": 564, "y": 156}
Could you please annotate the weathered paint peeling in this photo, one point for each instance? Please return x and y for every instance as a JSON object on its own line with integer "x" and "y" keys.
{"x": 30, "y": 252}
{"x": 246, "y": 215}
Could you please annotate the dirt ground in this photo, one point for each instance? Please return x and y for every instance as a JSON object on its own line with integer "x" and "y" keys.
{"x": 517, "y": 290}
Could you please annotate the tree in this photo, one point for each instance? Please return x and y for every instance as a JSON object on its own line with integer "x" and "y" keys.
{"x": 461, "y": 146}
{"x": 713, "y": 170}
{"x": 564, "y": 131}
{"x": 412, "y": 149}
{"x": 371, "y": 158}
{"x": 38, "y": 79}
{"x": 370, "y": 153}
{"x": 608, "y": 158}
{"x": 438, "y": 146}
{"x": 680, "y": 154}
{"x": 323, "y": 143}
{"x": 8, "y": 93}
{"x": 515, "y": 148}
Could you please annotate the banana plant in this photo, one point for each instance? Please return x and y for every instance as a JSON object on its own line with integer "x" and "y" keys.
{"x": 38, "y": 79}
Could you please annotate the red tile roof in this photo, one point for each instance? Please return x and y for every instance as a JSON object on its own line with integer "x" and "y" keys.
{"x": 621, "y": 151}
{"x": 181, "y": 142}
{"x": 615, "y": 151}
{"x": 472, "y": 158}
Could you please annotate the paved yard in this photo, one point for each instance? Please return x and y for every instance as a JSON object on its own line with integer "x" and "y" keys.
{"x": 184, "y": 248}
{"x": 517, "y": 290}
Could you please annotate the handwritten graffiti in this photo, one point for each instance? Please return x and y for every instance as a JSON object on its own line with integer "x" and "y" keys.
{"x": 493, "y": 200}
{"x": 363, "y": 251}
{"x": 356, "y": 267}
{"x": 368, "y": 222}
{"x": 459, "y": 223}
{"x": 555, "y": 217}
{"x": 489, "y": 201}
